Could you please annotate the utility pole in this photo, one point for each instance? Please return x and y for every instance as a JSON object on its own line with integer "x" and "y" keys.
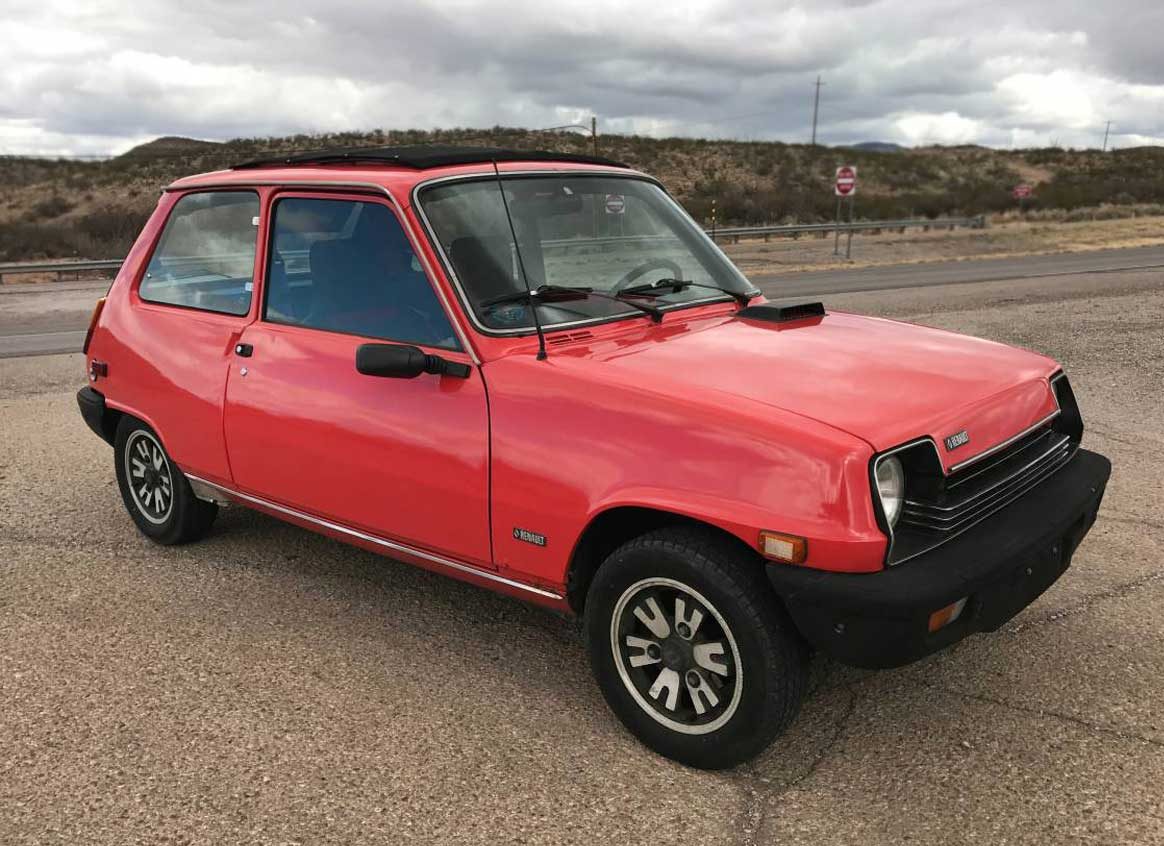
{"x": 816, "y": 108}
{"x": 594, "y": 133}
{"x": 1105, "y": 134}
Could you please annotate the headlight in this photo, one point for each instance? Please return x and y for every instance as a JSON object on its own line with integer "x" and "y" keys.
{"x": 891, "y": 487}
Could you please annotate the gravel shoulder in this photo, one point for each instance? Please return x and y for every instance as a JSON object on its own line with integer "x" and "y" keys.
{"x": 272, "y": 686}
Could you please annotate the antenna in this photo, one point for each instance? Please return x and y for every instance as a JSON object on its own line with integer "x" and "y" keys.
{"x": 533, "y": 306}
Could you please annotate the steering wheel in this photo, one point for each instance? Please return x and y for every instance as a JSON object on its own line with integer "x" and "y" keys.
{"x": 654, "y": 264}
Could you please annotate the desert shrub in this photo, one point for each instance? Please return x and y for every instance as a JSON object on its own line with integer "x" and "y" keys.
{"x": 24, "y": 239}
{"x": 52, "y": 206}
{"x": 108, "y": 233}
{"x": 750, "y": 182}
{"x": 112, "y": 230}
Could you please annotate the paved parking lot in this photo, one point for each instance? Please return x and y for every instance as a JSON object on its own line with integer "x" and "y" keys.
{"x": 271, "y": 686}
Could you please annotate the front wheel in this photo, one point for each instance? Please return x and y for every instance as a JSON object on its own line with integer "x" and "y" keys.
{"x": 156, "y": 493}
{"x": 691, "y": 648}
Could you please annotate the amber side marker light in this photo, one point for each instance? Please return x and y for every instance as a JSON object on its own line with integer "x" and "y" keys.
{"x": 93, "y": 323}
{"x": 790, "y": 549}
{"x": 944, "y": 616}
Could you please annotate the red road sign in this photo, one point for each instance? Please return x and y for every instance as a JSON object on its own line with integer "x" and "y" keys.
{"x": 615, "y": 204}
{"x": 846, "y": 184}
{"x": 1021, "y": 192}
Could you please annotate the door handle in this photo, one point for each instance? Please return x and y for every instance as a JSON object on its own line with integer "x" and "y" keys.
{"x": 244, "y": 350}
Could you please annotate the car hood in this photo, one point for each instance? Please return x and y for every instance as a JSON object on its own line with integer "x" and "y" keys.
{"x": 881, "y": 380}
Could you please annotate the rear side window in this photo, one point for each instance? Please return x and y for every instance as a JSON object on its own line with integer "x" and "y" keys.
{"x": 347, "y": 266}
{"x": 205, "y": 258}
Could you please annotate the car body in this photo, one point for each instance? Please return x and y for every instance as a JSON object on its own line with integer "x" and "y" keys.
{"x": 868, "y": 488}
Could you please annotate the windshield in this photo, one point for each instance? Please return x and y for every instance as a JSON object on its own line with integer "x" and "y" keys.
{"x": 601, "y": 232}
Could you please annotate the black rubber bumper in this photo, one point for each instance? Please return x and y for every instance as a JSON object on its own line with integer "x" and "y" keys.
{"x": 92, "y": 405}
{"x": 878, "y": 620}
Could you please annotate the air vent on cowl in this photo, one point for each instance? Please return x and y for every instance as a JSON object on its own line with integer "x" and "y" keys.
{"x": 568, "y": 337}
{"x": 771, "y": 313}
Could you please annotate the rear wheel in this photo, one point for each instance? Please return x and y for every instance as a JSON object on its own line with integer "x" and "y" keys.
{"x": 156, "y": 494}
{"x": 691, "y": 648}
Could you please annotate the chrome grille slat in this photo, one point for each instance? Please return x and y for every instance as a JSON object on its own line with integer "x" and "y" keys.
{"x": 1001, "y": 493}
{"x": 1048, "y": 455}
{"x": 1031, "y": 442}
{"x": 964, "y": 498}
{"x": 984, "y": 509}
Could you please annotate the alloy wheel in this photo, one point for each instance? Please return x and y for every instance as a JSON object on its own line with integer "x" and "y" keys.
{"x": 676, "y": 655}
{"x": 148, "y": 473}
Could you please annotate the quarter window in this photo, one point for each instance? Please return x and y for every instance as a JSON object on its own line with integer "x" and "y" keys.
{"x": 205, "y": 258}
{"x": 347, "y": 266}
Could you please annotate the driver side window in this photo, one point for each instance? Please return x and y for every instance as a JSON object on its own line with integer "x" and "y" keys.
{"x": 346, "y": 266}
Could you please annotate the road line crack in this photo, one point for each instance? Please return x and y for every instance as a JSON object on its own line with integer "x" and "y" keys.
{"x": 1089, "y": 601}
{"x": 1043, "y": 712}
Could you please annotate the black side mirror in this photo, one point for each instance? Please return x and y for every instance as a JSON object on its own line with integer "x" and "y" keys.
{"x": 400, "y": 361}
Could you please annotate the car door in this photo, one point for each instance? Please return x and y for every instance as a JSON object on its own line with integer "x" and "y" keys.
{"x": 401, "y": 459}
{"x": 190, "y": 304}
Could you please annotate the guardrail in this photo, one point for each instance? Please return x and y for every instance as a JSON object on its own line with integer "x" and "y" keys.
{"x": 732, "y": 234}
{"x": 58, "y": 267}
{"x": 795, "y": 230}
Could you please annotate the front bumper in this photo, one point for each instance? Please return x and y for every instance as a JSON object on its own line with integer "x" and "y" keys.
{"x": 1003, "y": 564}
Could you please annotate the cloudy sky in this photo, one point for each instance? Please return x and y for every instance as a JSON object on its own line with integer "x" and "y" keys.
{"x": 97, "y": 76}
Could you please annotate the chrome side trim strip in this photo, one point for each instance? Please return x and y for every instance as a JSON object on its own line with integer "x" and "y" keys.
{"x": 372, "y": 187}
{"x": 204, "y": 489}
{"x": 956, "y": 467}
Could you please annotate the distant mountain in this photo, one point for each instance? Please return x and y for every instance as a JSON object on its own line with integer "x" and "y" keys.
{"x": 170, "y": 145}
{"x": 876, "y": 147}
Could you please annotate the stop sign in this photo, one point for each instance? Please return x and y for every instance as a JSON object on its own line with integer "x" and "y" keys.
{"x": 615, "y": 204}
{"x": 846, "y": 184}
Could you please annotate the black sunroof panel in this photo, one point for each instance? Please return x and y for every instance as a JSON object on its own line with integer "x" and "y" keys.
{"x": 423, "y": 157}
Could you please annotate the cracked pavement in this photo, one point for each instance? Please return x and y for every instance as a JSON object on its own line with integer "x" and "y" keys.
{"x": 271, "y": 686}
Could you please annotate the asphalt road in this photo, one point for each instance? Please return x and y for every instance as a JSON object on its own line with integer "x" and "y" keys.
{"x": 51, "y": 317}
{"x": 268, "y": 685}
{"x": 886, "y": 277}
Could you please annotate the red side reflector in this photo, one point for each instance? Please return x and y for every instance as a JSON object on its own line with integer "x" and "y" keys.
{"x": 93, "y": 323}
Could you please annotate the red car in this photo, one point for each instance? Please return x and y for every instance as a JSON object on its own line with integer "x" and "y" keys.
{"x": 534, "y": 372}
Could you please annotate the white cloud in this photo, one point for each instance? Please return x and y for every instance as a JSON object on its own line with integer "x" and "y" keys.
{"x": 1063, "y": 99}
{"x": 103, "y": 74}
{"x": 945, "y": 128}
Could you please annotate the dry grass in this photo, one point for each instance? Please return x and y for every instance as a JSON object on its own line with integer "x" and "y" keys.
{"x": 1000, "y": 240}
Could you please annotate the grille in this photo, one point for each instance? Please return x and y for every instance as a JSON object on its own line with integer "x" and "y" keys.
{"x": 969, "y": 495}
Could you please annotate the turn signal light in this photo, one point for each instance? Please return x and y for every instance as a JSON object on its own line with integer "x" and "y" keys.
{"x": 791, "y": 549}
{"x": 944, "y": 616}
{"x": 93, "y": 323}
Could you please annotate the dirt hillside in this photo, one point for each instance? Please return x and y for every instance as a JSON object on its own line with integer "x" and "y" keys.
{"x": 93, "y": 209}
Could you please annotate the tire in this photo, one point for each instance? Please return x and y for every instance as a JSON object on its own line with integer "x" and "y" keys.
{"x": 742, "y": 649}
{"x": 160, "y": 500}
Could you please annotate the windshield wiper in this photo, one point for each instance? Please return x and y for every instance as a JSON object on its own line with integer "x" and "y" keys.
{"x": 546, "y": 294}
{"x": 673, "y": 286}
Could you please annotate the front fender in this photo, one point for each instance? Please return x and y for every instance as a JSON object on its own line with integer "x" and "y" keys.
{"x": 561, "y": 459}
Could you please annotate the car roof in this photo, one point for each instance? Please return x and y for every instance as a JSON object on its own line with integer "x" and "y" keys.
{"x": 398, "y": 168}
{"x": 423, "y": 157}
